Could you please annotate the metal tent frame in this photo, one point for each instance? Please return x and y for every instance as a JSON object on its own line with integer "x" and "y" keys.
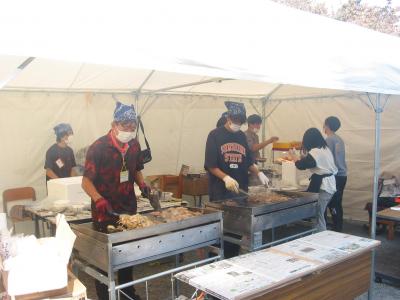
{"x": 378, "y": 108}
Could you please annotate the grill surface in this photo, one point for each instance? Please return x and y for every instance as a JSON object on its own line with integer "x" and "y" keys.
{"x": 246, "y": 220}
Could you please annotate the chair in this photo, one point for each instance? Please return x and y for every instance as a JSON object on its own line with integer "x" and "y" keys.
{"x": 17, "y": 212}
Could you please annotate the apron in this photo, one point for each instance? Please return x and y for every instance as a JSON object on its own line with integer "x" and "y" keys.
{"x": 316, "y": 182}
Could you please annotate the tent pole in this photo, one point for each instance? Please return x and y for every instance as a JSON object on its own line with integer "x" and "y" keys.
{"x": 139, "y": 90}
{"x": 263, "y": 110}
{"x": 15, "y": 73}
{"x": 212, "y": 80}
{"x": 318, "y": 97}
{"x": 254, "y": 107}
{"x": 269, "y": 95}
{"x": 264, "y": 118}
{"x": 378, "y": 110}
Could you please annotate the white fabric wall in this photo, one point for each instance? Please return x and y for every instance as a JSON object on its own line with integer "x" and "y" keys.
{"x": 177, "y": 128}
{"x": 292, "y": 118}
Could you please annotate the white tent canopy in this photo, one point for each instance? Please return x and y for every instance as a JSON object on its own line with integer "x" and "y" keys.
{"x": 153, "y": 51}
{"x": 156, "y": 51}
{"x": 89, "y": 52}
{"x": 260, "y": 41}
{"x": 60, "y": 76}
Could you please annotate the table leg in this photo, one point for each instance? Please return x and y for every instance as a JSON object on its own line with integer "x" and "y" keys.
{"x": 52, "y": 229}
{"x": 176, "y": 285}
{"x": 37, "y": 230}
{"x": 390, "y": 228}
{"x": 43, "y": 229}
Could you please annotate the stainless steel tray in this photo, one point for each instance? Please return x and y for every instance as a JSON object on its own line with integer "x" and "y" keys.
{"x": 208, "y": 216}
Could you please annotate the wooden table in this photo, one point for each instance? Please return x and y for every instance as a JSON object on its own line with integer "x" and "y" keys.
{"x": 389, "y": 217}
{"x": 326, "y": 265}
{"x": 343, "y": 281}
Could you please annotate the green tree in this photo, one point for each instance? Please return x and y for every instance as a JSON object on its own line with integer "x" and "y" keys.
{"x": 384, "y": 19}
{"x": 306, "y": 5}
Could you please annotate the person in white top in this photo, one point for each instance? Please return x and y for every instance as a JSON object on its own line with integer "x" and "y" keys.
{"x": 319, "y": 160}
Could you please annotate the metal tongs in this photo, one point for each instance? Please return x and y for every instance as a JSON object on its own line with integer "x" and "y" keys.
{"x": 113, "y": 213}
{"x": 244, "y": 192}
{"x": 155, "y": 195}
{"x": 247, "y": 194}
{"x": 154, "y": 199}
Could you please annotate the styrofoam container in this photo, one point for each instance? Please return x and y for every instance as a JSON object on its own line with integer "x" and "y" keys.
{"x": 69, "y": 189}
{"x": 61, "y": 203}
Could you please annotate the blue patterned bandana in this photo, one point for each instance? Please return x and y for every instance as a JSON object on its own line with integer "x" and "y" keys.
{"x": 235, "y": 108}
{"x": 124, "y": 113}
{"x": 62, "y": 129}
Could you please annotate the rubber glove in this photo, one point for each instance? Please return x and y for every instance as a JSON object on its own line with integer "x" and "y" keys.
{"x": 264, "y": 179}
{"x": 102, "y": 208}
{"x": 146, "y": 190}
{"x": 231, "y": 184}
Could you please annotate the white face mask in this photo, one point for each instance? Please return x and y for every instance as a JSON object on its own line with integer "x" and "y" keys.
{"x": 234, "y": 127}
{"x": 69, "y": 140}
{"x": 256, "y": 130}
{"x": 125, "y": 136}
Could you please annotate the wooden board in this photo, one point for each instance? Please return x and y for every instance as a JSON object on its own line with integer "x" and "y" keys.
{"x": 343, "y": 281}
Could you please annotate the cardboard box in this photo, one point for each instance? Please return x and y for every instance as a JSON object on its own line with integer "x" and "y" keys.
{"x": 37, "y": 265}
{"x": 195, "y": 186}
{"x": 75, "y": 290}
{"x": 167, "y": 183}
{"x": 15, "y": 283}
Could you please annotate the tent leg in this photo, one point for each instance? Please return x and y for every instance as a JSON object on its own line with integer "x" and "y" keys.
{"x": 378, "y": 111}
{"x": 264, "y": 104}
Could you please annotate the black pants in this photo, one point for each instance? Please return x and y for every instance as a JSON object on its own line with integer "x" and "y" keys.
{"x": 231, "y": 250}
{"x": 124, "y": 276}
{"x": 335, "y": 205}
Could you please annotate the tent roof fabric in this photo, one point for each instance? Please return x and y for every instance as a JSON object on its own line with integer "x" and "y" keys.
{"x": 263, "y": 44}
{"x": 48, "y": 75}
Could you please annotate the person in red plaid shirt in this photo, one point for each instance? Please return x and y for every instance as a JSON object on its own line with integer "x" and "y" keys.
{"x": 113, "y": 164}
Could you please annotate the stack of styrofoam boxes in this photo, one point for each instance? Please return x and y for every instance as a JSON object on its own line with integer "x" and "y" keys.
{"x": 67, "y": 189}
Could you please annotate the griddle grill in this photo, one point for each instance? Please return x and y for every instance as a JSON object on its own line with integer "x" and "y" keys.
{"x": 245, "y": 221}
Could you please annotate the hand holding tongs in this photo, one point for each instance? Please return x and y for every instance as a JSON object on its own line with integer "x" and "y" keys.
{"x": 154, "y": 199}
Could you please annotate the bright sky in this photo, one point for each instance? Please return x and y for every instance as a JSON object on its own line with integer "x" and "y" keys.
{"x": 335, "y": 4}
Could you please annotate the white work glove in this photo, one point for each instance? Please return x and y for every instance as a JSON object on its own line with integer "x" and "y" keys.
{"x": 231, "y": 184}
{"x": 264, "y": 179}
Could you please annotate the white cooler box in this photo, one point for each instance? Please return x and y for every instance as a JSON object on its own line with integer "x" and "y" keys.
{"x": 69, "y": 189}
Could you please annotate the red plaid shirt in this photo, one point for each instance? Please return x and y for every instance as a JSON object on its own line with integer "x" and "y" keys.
{"x": 103, "y": 166}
